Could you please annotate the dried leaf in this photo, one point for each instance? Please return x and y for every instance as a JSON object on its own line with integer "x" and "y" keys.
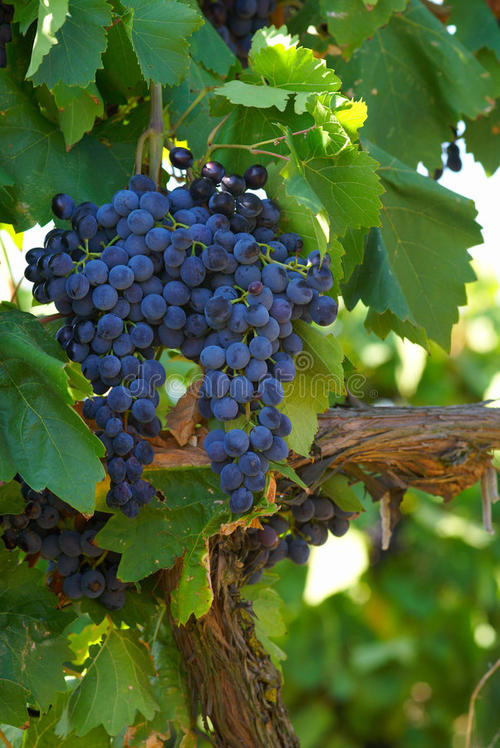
{"x": 182, "y": 420}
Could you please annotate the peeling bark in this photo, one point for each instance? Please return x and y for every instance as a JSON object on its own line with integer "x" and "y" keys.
{"x": 237, "y": 687}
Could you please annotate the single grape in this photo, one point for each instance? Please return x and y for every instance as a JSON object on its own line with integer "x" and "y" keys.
{"x": 233, "y": 183}
{"x": 213, "y": 170}
{"x": 104, "y": 297}
{"x": 241, "y": 500}
{"x": 49, "y": 518}
{"x": 218, "y": 311}
{"x": 89, "y": 548}
{"x": 77, "y": 286}
{"x": 260, "y": 348}
{"x": 63, "y": 206}
{"x": 241, "y": 389}
{"x": 123, "y": 443}
{"x": 124, "y": 201}
{"x": 213, "y": 357}
{"x": 156, "y": 204}
{"x": 236, "y": 442}
{"x": 72, "y": 586}
{"x": 225, "y": 409}
{"x": 119, "y": 399}
{"x": 248, "y": 205}
{"x": 237, "y": 355}
{"x": 193, "y": 271}
{"x": 181, "y": 158}
{"x": 255, "y": 176}
{"x": 246, "y": 250}
{"x": 261, "y": 438}
{"x": 323, "y": 310}
{"x": 298, "y": 550}
{"x": 267, "y": 536}
{"x": 50, "y": 547}
{"x": 142, "y": 335}
{"x": 143, "y": 410}
{"x": 303, "y": 512}
{"x": 69, "y": 543}
{"x": 117, "y": 469}
{"x": 153, "y": 307}
{"x": 93, "y": 583}
{"x": 338, "y": 526}
{"x": 142, "y": 267}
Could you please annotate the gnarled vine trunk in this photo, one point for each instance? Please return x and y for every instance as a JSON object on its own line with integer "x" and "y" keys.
{"x": 229, "y": 672}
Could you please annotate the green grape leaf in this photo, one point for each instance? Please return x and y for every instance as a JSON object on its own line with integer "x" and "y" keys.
{"x": 164, "y": 531}
{"x": 288, "y": 472}
{"x": 197, "y": 124}
{"x": 416, "y": 265}
{"x": 159, "y": 33}
{"x": 249, "y": 95}
{"x": 314, "y": 228}
{"x": 32, "y": 648}
{"x": 345, "y": 185}
{"x": 353, "y": 243}
{"x": 193, "y": 595}
{"x": 248, "y": 126}
{"x": 351, "y": 115}
{"x": 79, "y": 387}
{"x": 483, "y": 139}
{"x": 44, "y": 439}
{"x": 383, "y": 324}
{"x": 11, "y": 498}
{"x": 476, "y": 25}
{"x": 116, "y": 685}
{"x": 276, "y": 58}
{"x": 22, "y": 336}
{"x": 319, "y": 372}
{"x": 25, "y": 13}
{"x": 269, "y": 610}
{"x": 208, "y": 49}
{"x": 402, "y": 72}
{"x": 13, "y": 698}
{"x": 35, "y": 155}
{"x": 322, "y": 352}
{"x": 78, "y": 109}
{"x": 338, "y": 489}
{"x": 41, "y": 732}
{"x": 51, "y": 16}
{"x": 350, "y": 22}
{"x": 169, "y": 684}
{"x": 80, "y": 43}
{"x": 120, "y": 78}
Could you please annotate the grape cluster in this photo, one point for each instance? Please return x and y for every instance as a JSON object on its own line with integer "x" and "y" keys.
{"x": 289, "y": 533}
{"x": 51, "y": 529}
{"x": 238, "y": 287}
{"x": 236, "y": 21}
{"x": 6, "y": 15}
{"x": 202, "y": 269}
{"x": 105, "y": 275}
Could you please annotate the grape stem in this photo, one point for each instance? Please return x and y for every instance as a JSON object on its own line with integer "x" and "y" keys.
{"x": 254, "y": 148}
{"x": 157, "y": 135}
{"x": 13, "y": 288}
{"x": 275, "y": 141}
{"x": 139, "y": 150}
{"x": 50, "y": 318}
